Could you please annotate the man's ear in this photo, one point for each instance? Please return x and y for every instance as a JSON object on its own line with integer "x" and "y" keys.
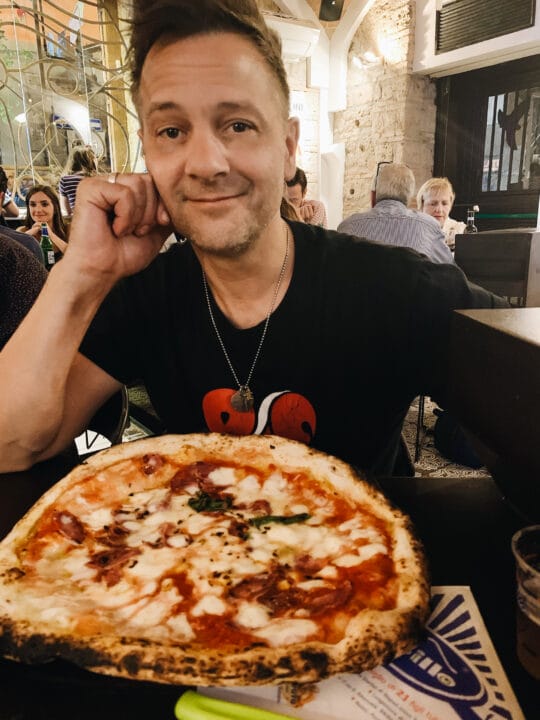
{"x": 291, "y": 144}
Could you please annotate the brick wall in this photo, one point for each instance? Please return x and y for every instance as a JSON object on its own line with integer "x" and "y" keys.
{"x": 390, "y": 113}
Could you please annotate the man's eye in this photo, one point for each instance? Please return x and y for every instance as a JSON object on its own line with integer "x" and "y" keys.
{"x": 240, "y": 127}
{"x": 170, "y": 132}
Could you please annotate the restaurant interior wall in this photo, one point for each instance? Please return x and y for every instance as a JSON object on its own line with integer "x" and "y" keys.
{"x": 63, "y": 82}
{"x": 390, "y": 113}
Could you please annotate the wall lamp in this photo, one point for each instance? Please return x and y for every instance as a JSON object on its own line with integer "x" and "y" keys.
{"x": 367, "y": 59}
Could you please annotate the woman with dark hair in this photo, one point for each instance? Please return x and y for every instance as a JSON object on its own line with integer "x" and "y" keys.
{"x": 80, "y": 164}
{"x": 43, "y": 206}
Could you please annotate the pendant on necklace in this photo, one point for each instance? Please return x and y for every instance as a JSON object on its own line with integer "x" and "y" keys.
{"x": 242, "y": 400}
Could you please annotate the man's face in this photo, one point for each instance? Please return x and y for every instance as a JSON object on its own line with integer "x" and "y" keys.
{"x": 216, "y": 139}
{"x": 294, "y": 195}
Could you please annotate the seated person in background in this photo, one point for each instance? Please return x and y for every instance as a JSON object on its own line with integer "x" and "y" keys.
{"x": 391, "y": 222}
{"x": 21, "y": 279}
{"x": 9, "y": 209}
{"x": 435, "y": 198}
{"x": 81, "y": 163}
{"x": 255, "y": 324}
{"x": 43, "y": 206}
{"x": 288, "y": 211}
{"x": 310, "y": 211}
{"x": 27, "y": 241}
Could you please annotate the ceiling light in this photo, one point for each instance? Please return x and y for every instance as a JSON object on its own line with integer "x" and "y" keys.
{"x": 330, "y": 10}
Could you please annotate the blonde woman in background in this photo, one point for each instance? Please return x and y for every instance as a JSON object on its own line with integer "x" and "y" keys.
{"x": 436, "y": 198}
{"x": 81, "y": 163}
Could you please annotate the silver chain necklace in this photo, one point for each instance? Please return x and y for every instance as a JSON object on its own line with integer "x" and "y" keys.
{"x": 242, "y": 400}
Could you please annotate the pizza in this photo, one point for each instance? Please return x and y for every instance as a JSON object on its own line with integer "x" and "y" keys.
{"x": 212, "y": 560}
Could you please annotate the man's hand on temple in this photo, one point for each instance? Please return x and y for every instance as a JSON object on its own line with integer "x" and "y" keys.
{"x": 119, "y": 225}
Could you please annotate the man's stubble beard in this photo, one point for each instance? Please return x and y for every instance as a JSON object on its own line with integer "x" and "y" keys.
{"x": 240, "y": 237}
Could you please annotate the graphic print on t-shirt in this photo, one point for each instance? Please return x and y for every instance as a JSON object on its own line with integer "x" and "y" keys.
{"x": 283, "y": 413}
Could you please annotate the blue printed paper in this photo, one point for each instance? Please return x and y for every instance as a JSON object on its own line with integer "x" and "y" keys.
{"x": 454, "y": 674}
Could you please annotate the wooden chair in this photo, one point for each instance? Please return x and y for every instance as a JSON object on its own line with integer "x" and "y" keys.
{"x": 497, "y": 261}
{"x": 110, "y": 421}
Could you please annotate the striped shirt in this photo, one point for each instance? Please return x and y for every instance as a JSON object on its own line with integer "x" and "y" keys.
{"x": 68, "y": 187}
{"x": 392, "y": 223}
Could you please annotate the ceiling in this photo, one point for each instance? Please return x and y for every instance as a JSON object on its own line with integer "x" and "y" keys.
{"x": 315, "y": 5}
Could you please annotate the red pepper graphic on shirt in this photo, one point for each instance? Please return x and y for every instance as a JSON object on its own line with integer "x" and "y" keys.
{"x": 283, "y": 413}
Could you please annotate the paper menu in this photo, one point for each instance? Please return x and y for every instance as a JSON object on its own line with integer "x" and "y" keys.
{"x": 453, "y": 674}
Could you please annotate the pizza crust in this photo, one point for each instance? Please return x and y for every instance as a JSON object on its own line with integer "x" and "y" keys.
{"x": 373, "y": 637}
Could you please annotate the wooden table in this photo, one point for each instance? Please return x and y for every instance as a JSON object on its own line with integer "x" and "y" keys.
{"x": 465, "y": 524}
{"x": 495, "y": 392}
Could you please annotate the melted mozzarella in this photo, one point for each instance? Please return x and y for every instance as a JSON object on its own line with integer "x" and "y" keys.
{"x": 98, "y": 518}
{"x": 209, "y": 605}
{"x": 365, "y": 552}
{"x": 223, "y": 476}
{"x": 252, "y": 615}
{"x": 286, "y": 631}
{"x": 181, "y": 628}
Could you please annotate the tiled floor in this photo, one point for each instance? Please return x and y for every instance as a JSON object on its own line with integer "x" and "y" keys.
{"x": 431, "y": 462}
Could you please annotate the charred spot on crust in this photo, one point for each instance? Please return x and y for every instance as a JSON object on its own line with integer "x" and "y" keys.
{"x": 38, "y": 648}
{"x": 13, "y": 574}
{"x": 285, "y": 662}
{"x": 262, "y": 672}
{"x": 131, "y": 663}
{"x": 317, "y": 660}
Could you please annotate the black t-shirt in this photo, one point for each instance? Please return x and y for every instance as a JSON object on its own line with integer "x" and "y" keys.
{"x": 362, "y": 330}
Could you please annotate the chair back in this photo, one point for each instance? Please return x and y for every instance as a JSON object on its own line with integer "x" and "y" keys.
{"x": 112, "y": 418}
{"x": 497, "y": 261}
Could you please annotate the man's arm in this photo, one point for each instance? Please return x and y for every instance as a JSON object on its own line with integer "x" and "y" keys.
{"x": 439, "y": 250}
{"x": 49, "y": 391}
{"x": 66, "y": 207}
{"x": 10, "y": 209}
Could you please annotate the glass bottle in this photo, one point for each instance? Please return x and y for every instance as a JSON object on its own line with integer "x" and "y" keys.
{"x": 471, "y": 227}
{"x": 47, "y": 246}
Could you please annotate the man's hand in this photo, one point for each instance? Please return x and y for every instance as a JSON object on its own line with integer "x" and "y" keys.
{"x": 118, "y": 227}
{"x": 306, "y": 211}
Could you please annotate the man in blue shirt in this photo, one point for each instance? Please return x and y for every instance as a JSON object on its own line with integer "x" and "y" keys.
{"x": 391, "y": 222}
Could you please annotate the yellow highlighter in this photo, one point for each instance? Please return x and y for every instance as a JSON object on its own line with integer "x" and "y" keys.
{"x": 192, "y": 706}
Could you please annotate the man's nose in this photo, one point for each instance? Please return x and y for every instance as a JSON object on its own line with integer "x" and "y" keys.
{"x": 206, "y": 155}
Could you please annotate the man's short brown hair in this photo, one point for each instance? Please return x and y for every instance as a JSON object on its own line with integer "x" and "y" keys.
{"x": 3, "y": 180}
{"x": 166, "y": 21}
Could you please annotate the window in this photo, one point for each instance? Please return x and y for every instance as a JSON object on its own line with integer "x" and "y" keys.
{"x": 512, "y": 141}
{"x": 487, "y": 142}
{"x": 63, "y": 82}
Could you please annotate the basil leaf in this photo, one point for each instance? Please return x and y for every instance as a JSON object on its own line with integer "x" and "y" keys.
{"x": 283, "y": 519}
{"x": 203, "y": 502}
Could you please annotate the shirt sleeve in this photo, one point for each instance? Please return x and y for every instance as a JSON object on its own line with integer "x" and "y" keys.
{"x": 440, "y": 290}
{"x": 319, "y": 216}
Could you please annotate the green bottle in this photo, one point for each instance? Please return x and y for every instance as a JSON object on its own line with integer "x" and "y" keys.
{"x": 47, "y": 246}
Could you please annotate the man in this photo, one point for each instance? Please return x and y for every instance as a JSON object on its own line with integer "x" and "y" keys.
{"x": 9, "y": 208}
{"x": 21, "y": 279}
{"x": 29, "y": 242}
{"x": 390, "y": 221}
{"x": 255, "y": 324}
{"x": 310, "y": 211}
